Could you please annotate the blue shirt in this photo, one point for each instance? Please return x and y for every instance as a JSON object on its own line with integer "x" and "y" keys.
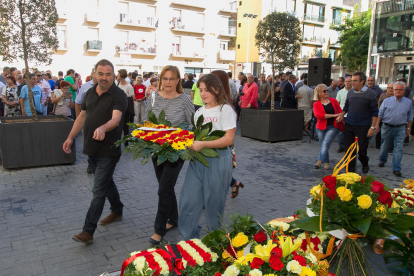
{"x": 37, "y": 94}
{"x": 396, "y": 112}
{"x": 52, "y": 84}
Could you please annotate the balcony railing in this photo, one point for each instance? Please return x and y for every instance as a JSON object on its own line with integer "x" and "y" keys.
{"x": 314, "y": 39}
{"x": 178, "y": 25}
{"x": 126, "y": 19}
{"x": 231, "y": 31}
{"x": 94, "y": 45}
{"x": 135, "y": 48}
{"x": 92, "y": 17}
{"x": 189, "y": 54}
{"x": 227, "y": 55}
{"x": 336, "y": 21}
{"x": 316, "y": 18}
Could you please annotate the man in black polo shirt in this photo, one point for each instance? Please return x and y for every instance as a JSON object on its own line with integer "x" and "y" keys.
{"x": 101, "y": 119}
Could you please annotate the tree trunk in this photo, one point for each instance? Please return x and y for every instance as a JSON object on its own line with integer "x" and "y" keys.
{"x": 26, "y": 63}
{"x": 272, "y": 104}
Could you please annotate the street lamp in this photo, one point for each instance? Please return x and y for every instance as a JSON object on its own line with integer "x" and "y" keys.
{"x": 248, "y": 16}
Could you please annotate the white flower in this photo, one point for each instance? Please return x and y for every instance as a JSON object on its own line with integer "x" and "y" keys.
{"x": 311, "y": 258}
{"x": 139, "y": 263}
{"x": 231, "y": 271}
{"x": 165, "y": 270}
{"x": 200, "y": 244}
{"x": 294, "y": 267}
{"x": 302, "y": 236}
{"x": 255, "y": 272}
{"x": 282, "y": 225}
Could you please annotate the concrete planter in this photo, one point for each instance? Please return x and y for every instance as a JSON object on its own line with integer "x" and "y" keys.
{"x": 31, "y": 144}
{"x": 283, "y": 124}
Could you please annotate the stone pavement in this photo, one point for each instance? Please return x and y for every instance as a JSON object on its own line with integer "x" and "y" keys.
{"x": 41, "y": 208}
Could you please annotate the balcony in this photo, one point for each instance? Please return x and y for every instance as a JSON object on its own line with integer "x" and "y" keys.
{"x": 178, "y": 26}
{"x": 62, "y": 13}
{"x": 230, "y": 32}
{"x": 231, "y": 7}
{"x": 94, "y": 45}
{"x": 315, "y": 19}
{"x": 337, "y": 21}
{"x": 93, "y": 17}
{"x": 227, "y": 55}
{"x": 313, "y": 40}
{"x": 134, "y": 48}
{"x": 188, "y": 3}
{"x": 198, "y": 54}
{"x": 145, "y": 22}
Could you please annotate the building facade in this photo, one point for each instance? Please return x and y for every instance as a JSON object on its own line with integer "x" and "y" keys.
{"x": 145, "y": 35}
{"x": 392, "y": 42}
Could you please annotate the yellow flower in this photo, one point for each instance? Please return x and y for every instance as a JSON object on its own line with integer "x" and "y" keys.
{"x": 380, "y": 211}
{"x": 287, "y": 245}
{"x": 350, "y": 178}
{"x": 307, "y": 272}
{"x": 395, "y": 205}
{"x": 270, "y": 275}
{"x": 315, "y": 191}
{"x": 240, "y": 240}
{"x": 344, "y": 194}
{"x": 225, "y": 254}
{"x": 364, "y": 201}
{"x": 294, "y": 267}
{"x": 262, "y": 252}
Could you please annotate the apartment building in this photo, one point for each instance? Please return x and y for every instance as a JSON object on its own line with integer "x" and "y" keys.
{"x": 145, "y": 35}
{"x": 318, "y": 38}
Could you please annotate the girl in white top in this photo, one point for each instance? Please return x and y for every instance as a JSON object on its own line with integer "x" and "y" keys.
{"x": 208, "y": 186}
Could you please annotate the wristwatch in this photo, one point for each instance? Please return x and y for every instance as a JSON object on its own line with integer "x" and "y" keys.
{"x": 374, "y": 128}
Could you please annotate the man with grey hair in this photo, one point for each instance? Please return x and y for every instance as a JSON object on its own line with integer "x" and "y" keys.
{"x": 21, "y": 82}
{"x": 396, "y": 114}
{"x": 6, "y": 72}
{"x": 389, "y": 93}
{"x": 250, "y": 92}
{"x": 289, "y": 99}
{"x": 333, "y": 89}
{"x": 264, "y": 92}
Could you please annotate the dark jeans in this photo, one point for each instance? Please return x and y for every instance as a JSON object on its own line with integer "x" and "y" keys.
{"x": 237, "y": 107}
{"x": 72, "y": 111}
{"x": 264, "y": 104}
{"x": 352, "y": 131}
{"x": 167, "y": 174}
{"x": 103, "y": 187}
{"x": 127, "y": 119}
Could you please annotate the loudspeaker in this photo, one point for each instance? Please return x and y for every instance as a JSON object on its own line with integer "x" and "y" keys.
{"x": 319, "y": 71}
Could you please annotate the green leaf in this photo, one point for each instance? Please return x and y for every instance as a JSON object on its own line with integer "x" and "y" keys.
{"x": 203, "y": 133}
{"x": 211, "y": 138}
{"x": 161, "y": 117}
{"x": 144, "y": 161}
{"x": 185, "y": 155}
{"x": 192, "y": 122}
{"x": 209, "y": 152}
{"x": 312, "y": 224}
{"x": 202, "y": 159}
{"x": 218, "y": 133}
{"x": 161, "y": 159}
{"x": 376, "y": 230}
{"x": 208, "y": 126}
{"x": 200, "y": 121}
{"x": 404, "y": 222}
{"x": 213, "y": 237}
{"x": 362, "y": 225}
{"x": 152, "y": 117}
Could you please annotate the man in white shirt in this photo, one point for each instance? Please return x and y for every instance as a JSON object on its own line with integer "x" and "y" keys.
{"x": 341, "y": 98}
{"x": 147, "y": 82}
{"x": 233, "y": 90}
{"x": 82, "y": 91}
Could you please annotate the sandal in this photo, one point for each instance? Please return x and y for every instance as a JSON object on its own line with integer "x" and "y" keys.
{"x": 235, "y": 189}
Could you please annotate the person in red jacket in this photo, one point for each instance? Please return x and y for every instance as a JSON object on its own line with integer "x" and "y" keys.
{"x": 326, "y": 110}
{"x": 251, "y": 91}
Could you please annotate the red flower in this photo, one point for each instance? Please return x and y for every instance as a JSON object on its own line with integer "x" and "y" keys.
{"x": 256, "y": 263}
{"x": 294, "y": 216}
{"x": 275, "y": 263}
{"x": 377, "y": 187}
{"x": 331, "y": 274}
{"x": 300, "y": 259}
{"x": 260, "y": 237}
{"x": 217, "y": 274}
{"x": 277, "y": 252}
{"x": 385, "y": 198}
{"x": 316, "y": 241}
{"x": 231, "y": 252}
{"x": 294, "y": 253}
{"x": 363, "y": 179}
{"x": 330, "y": 182}
{"x": 304, "y": 245}
{"x": 332, "y": 194}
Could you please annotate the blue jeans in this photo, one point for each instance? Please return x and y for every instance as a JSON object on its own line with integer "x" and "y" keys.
{"x": 389, "y": 136}
{"x": 103, "y": 187}
{"x": 277, "y": 104}
{"x": 73, "y": 113}
{"x": 326, "y": 137}
{"x": 205, "y": 187}
{"x": 341, "y": 140}
{"x": 264, "y": 104}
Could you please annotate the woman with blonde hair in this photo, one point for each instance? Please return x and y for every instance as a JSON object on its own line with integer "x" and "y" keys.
{"x": 325, "y": 110}
{"x": 178, "y": 108}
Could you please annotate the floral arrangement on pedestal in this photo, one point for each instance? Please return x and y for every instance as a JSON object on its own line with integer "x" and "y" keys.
{"x": 157, "y": 138}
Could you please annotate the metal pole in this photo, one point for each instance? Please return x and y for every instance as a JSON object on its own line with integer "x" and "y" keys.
{"x": 247, "y": 48}
{"x": 371, "y": 37}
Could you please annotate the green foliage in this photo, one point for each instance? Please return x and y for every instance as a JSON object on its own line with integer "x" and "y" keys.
{"x": 278, "y": 38}
{"x": 354, "y": 40}
{"x": 146, "y": 271}
{"x": 402, "y": 261}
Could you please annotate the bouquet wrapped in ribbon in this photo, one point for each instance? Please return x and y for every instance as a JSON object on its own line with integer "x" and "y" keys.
{"x": 157, "y": 138}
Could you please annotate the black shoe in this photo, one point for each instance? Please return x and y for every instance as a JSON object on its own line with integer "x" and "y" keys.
{"x": 381, "y": 165}
{"x": 365, "y": 169}
{"x": 378, "y": 147}
{"x": 340, "y": 150}
{"x": 397, "y": 173}
{"x": 89, "y": 170}
{"x": 154, "y": 242}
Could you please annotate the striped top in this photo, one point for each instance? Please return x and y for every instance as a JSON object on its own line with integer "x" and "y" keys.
{"x": 177, "y": 110}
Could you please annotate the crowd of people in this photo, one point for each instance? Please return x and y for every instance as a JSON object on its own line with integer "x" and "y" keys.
{"x": 350, "y": 107}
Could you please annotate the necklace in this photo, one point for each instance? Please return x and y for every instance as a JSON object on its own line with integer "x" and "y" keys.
{"x": 326, "y": 103}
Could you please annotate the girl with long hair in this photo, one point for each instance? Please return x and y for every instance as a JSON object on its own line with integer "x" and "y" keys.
{"x": 208, "y": 186}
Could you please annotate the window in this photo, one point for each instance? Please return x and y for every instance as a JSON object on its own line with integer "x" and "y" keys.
{"x": 238, "y": 46}
{"x": 313, "y": 34}
{"x": 240, "y": 3}
{"x": 239, "y": 25}
{"x": 62, "y": 36}
{"x": 224, "y": 45}
{"x": 176, "y": 49}
{"x": 318, "y": 52}
{"x": 314, "y": 12}
{"x": 332, "y": 55}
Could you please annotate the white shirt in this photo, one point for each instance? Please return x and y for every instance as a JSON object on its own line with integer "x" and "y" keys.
{"x": 129, "y": 91}
{"x": 222, "y": 117}
{"x": 147, "y": 82}
{"x": 2, "y": 86}
{"x": 82, "y": 91}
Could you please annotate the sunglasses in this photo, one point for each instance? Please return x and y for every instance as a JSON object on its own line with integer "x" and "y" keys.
{"x": 38, "y": 75}
{"x": 324, "y": 91}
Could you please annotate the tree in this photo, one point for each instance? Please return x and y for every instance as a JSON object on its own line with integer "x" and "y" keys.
{"x": 28, "y": 32}
{"x": 354, "y": 40}
{"x": 278, "y": 38}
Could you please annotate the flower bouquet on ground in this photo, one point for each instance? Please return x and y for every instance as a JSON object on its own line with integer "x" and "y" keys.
{"x": 355, "y": 210}
{"x": 157, "y": 138}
